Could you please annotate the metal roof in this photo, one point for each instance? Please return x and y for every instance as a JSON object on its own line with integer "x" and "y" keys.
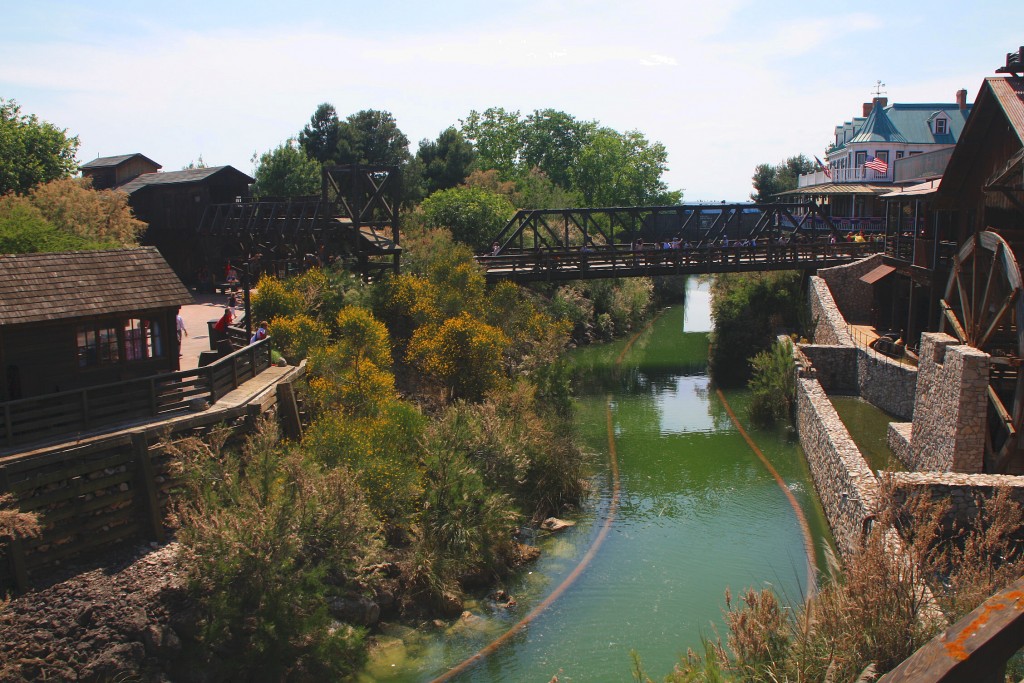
{"x": 1009, "y": 93}
{"x": 190, "y": 175}
{"x": 878, "y": 128}
{"x": 840, "y": 188}
{"x": 78, "y": 284}
{"x": 109, "y": 162}
{"x": 929, "y": 187}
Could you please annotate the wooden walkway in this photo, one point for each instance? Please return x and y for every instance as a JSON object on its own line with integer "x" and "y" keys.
{"x": 622, "y": 261}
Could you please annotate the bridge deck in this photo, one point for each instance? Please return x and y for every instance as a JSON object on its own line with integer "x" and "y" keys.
{"x": 622, "y": 261}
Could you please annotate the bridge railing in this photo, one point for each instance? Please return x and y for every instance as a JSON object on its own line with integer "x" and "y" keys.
{"x": 624, "y": 259}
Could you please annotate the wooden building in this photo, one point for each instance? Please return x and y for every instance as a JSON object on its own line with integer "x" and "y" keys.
{"x": 108, "y": 173}
{"x": 77, "y": 319}
{"x": 173, "y": 204}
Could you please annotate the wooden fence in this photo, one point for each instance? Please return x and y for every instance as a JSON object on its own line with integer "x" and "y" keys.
{"x": 94, "y": 494}
{"x": 73, "y": 412}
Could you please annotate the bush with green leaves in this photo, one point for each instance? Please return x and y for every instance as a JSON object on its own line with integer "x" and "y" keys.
{"x": 473, "y": 215}
{"x": 773, "y": 384}
{"x": 266, "y": 539}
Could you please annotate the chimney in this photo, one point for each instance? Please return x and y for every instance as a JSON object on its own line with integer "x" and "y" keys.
{"x": 880, "y": 101}
{"x": 961, "y": 99}
{"x": 867, "y": 109}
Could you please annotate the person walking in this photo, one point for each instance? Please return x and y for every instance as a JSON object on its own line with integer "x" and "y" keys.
{"x": 181, "y": 330}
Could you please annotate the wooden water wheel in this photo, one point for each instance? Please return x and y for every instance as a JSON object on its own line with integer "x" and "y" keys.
{"x": 984, "y": 307}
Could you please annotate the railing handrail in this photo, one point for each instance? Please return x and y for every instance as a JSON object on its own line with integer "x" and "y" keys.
{"x": 71, "y": 408}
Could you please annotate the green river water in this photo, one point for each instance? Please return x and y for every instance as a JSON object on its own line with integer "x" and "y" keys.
{"x": 698, "y": 513}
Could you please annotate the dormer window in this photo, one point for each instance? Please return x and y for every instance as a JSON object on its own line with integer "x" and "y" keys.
{"x": 941, "y": 126}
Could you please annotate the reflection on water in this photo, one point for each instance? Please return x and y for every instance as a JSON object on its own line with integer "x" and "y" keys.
{"x": 869, "y": 427}
{"x": 698, "y": 514}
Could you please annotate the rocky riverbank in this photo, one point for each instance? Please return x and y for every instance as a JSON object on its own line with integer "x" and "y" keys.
{"x": 121, "y": 620}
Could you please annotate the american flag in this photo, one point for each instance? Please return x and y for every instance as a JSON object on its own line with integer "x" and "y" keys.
{"x": 824, "y": 168}
{"x": 877, "y": 164}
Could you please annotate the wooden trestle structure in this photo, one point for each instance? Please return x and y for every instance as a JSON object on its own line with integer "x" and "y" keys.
{"x": 354, "y": 218}
{"x": 593, "y": 243}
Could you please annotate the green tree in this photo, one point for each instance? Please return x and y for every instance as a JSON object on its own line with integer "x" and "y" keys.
{"x": 32, "y": 151}
{"x": 319, "y": 138}
{"x": 769, "y": 180}
{"x": 473, "y": 215}
{"x": 372, "y": 137}
{"x": 553, "y": 142}
{"x": 622, "y": 169}
{"x": 445, "y": 162}
{"x": 497, "y": 136}
{"x": 286, "y": 171}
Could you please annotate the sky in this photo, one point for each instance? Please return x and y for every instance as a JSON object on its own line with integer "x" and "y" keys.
{"x": 723, "y": 84}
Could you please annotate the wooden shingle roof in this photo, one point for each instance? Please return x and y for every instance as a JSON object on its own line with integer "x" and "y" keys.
{"x": 109, "y": 162}
{"x": 66, "y": 285}
{"x": 189, "y": 175}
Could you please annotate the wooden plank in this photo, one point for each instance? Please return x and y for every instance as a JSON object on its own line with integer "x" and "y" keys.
{"x": 974, "y": 649}
{"x": 33, "y": 481}
{"x": 145, "y": 485}
{"x": 91, "y": 542}
{"x": 288, "y": 409}
{"x": 77, "y": 487}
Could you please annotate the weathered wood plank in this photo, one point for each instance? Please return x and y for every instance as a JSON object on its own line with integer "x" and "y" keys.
{"x": 146, "y": 486}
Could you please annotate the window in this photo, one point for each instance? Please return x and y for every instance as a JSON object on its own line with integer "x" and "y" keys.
{"x": 142, "y": 339}
{"x": 914, "y": 154}
{"x": 882, "y": 155}
{"x": 899, "y": 155}
{"x": 859, "y": 159}
{"x": 940, "y": 126}
{"x": 97, "y": 345}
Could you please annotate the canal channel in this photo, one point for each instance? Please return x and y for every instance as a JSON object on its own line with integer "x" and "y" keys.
{"x": 697, "y": 513}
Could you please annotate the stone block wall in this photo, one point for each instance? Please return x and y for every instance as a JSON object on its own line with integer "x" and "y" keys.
{"x": 898, "y": 440}
{"x": 831, "y": 329}
{"x": 834, "y": 366}
{"x": 950, "y": 412}
{"x": 886, "y": 383}
{"x": 960, "y": 493}
{"x": 846, "y": 487}
{"x": 853, "y": 296}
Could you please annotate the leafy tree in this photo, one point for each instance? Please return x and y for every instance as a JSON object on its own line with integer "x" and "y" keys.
{"x": 66, "y": 215}
{"x": 286, "y": 172}
{"x": 101, "y": 216}
{"x": 473, "y": 215}
{"x": 372, "y": 137}
{"x": 445, "y": 161}
{"x": 32, "y": 151}
{"x": 498, "y": 137}
{"x": 622, "y": 169}
{"x": 197, "y": 163}
{"x": 319, "y": 138}
{"x": 553, "y": 142}
{"x": 770, "y": 180}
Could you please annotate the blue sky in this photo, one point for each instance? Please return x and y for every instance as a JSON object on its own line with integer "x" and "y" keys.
{"x": 724, "y": 85}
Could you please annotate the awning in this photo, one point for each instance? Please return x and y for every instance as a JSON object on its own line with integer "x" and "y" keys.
{"x": 877, "y": 274}
{"x": 839, "y": 188}
{"x": 929, "y": 187}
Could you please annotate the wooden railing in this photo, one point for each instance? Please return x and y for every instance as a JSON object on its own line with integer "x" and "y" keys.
{"x": 623, "y": 261}
{"x": 70, "y": 412}
{"x": 974, "y": 649}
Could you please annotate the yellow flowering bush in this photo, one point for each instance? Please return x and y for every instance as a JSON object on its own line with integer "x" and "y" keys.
{"x": 295, "y": 335}
{"x": 463, "y": 354}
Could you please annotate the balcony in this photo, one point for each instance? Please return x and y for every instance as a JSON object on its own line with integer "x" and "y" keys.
{"x": 845, "y": 175}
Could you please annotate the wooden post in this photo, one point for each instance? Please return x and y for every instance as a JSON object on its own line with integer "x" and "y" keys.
{"x": 85, "y": 409}
{"x": 288, "y": 409}
{"x": 145, "y": 485}
{"x": 8, "y": 424}
{"x": 15, "y": 550}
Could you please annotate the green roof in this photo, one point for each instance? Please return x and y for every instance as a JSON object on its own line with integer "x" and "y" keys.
{"x": 878, "y": 128}
{"x": 911, "y": 124}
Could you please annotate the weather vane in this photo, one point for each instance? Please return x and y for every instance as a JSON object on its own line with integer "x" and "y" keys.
{"x": 878, "y": 89}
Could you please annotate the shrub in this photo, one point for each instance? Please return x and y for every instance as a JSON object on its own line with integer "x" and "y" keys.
{"x": 265, "y": 540}
{"x": 773, "y": 384}
{"x": 473, "y": 215}
{"x": 382, "y": 452}
{"x": 274, "y": 300}
{"x": 463, "y": 354}
{"x": 295, "y": 335}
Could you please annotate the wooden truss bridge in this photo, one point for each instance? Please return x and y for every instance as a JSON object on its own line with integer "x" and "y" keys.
{"x": 354, "y": 218}
{"x": 579, "y": 244}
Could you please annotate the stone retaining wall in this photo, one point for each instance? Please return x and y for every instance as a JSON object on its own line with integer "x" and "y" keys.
{"x": 834, "y": 366}
{"x": 898, "y": 440}
{"x": 886, "y": 383}
{"x": 846, "y": 487}
{"x": 831, "y": 326}
{"x": 961, "y": 493}
{"x": 853, "y": 296}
